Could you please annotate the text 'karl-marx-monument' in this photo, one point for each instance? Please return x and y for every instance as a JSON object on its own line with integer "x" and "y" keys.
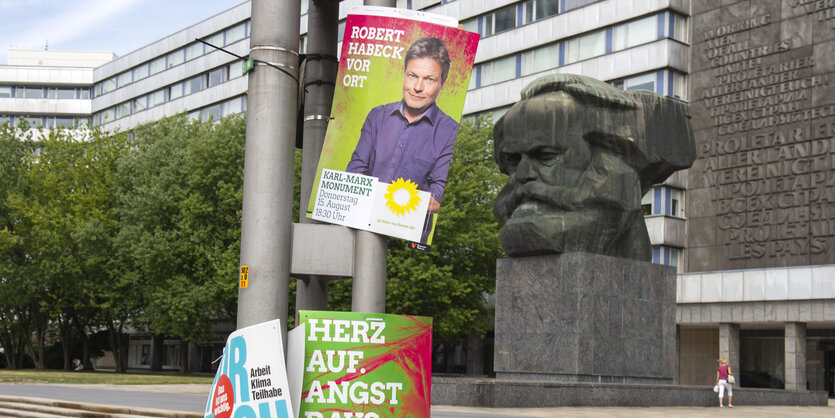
{"x": 579, "y": 300}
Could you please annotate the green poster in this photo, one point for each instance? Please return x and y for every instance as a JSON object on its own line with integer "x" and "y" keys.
{"x": 366, "y": 365}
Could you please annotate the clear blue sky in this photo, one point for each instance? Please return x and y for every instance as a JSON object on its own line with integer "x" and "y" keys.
{"x": 119, "y": 26}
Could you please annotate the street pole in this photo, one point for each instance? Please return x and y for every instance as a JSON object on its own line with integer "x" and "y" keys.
{"x": 322, "y": 24}
{"x": 272, "y": 107}
{"x": 368, "y": 293}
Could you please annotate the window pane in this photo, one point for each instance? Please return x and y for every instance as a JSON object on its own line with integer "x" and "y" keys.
{"x": 573, "y": 4}
{"x": 33, "y": 93}
{"x": 679, "y": 86}
{"x": 66, "y": 94}
{"x": 64, "y": 122}
{"x": 140, "y": 72}
{"x": 646, "y": 203}
{"x": 674, "y": 255}
{"x": 504, "y": 69}
{"x": 109, "y": 115}
{"x": 641, "y": 82}
{"x": 680, "y": 28}
{"x": 619, "y": 38}
{"x": 592, "y": 45}
{"x": 5, "y": 119}
{"x": 572, "y": 50}
{"x": 236, "y": 69}
{"x": 124, "y": 79}
{"x": 176, "y": 58}
{"x": 195, "y": 115}
{"x": 233, "y": 107}
{"x": 176, "y": 91}
{"x": 140, "y": 104}
{"x": 235, "y": 34}
{"x": 642, "y": 31}
{"x": 194, "y": 50}
{"x": 305, "y": 6}
{"x": 156, "y": 98}
{"x": 340, "y": 32}
{"x": 216, "y": 40}
{"x": 122, "y": 110}
{"x": 546, "y": 8}
{"x": 505, "y": 18}
{"x": 211, "y": 113}
{"x": 216, "y": 77}
{"x": 157, "y": 65}
{"x": 97, "y": 88}
{"x": 541, "y": 59}
{"x": 5, "y": 91}
{"x": 471, "y": 25}
{"x": 194, "y": 85}
{"x": 108, "y": 85}
{"x": 488, "y": 25}
{"x": 675, "y": 203}
{"x": 33, "y": 121}
{"x": 528, "y": 12}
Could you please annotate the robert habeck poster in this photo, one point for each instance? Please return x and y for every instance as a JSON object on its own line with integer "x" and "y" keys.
{"x": 400, "y": 91}
{"x": 361, "y": 365}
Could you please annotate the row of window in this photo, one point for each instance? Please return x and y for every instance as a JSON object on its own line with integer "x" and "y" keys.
{"x": 215, "y": 111}
{"x": 175, "y": 91}
{"x": 663, "y": 200}
{"x": 578, "y": 48}
{"x": 43, "y": 92}
{"x": 668, "y": 256}
{"x": 173, "y": 58}
{"x": 219, "y": 110}
{"x": 518, "y": 14}
{"x": 47, "y": 122}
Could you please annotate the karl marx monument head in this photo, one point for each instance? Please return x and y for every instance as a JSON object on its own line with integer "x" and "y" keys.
{"x": 580, "y": 154}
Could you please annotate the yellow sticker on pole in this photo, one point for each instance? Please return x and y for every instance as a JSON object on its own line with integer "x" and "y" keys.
{"x": 244, "y": 276}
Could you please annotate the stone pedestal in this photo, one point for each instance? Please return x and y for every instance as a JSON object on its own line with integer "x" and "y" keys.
{"x": 580, "y": 317}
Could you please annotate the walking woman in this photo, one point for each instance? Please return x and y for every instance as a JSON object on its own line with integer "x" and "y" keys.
{"x": 722, "y": 374}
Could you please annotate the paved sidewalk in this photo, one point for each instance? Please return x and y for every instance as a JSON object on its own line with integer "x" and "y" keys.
{"x": 192, "y": 398}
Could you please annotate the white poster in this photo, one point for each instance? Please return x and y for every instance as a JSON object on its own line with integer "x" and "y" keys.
{"x": 398, "y": 209}
{"x": 251, "y": 380}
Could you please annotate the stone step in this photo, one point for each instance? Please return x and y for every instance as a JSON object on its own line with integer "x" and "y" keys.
{"x": 13, "y": 406}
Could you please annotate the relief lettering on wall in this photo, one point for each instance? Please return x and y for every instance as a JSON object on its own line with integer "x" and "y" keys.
{"x": 768, "y": 162}
{"x": 822, "y": 10}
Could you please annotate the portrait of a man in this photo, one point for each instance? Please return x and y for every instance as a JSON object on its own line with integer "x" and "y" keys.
{"x": 412, "y": 138}
{"x": 580, "y": 154}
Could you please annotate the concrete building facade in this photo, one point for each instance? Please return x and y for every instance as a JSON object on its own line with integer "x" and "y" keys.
{"x": 770, "y": 310}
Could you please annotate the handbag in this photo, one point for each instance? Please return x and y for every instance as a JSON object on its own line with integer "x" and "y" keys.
{"x": 731, "y": 379}
{"x": 716, "y": 388}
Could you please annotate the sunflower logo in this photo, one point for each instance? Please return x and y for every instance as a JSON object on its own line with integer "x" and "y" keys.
{"x": 402, "y": 196}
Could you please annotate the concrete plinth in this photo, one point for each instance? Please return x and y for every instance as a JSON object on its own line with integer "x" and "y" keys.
{"x": 581, "y": 317}
{"x": 503, "y": 393}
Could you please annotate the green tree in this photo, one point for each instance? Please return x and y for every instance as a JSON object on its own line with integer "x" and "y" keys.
{"x": 180, "y": 204}
{"x": 15, "y": 267}
{"x": 69, "y": 208}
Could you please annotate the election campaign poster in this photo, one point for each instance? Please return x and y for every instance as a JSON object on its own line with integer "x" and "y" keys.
{"x": 400, "y": 91}
{"x": 363, "y": 365}
{"x": 251, "y": 380}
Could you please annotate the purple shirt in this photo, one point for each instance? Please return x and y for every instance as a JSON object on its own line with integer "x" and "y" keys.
{"x": 390, "y": 147}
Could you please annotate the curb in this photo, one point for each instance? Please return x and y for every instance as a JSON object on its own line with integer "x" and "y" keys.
{"x": 107, "y": 409}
